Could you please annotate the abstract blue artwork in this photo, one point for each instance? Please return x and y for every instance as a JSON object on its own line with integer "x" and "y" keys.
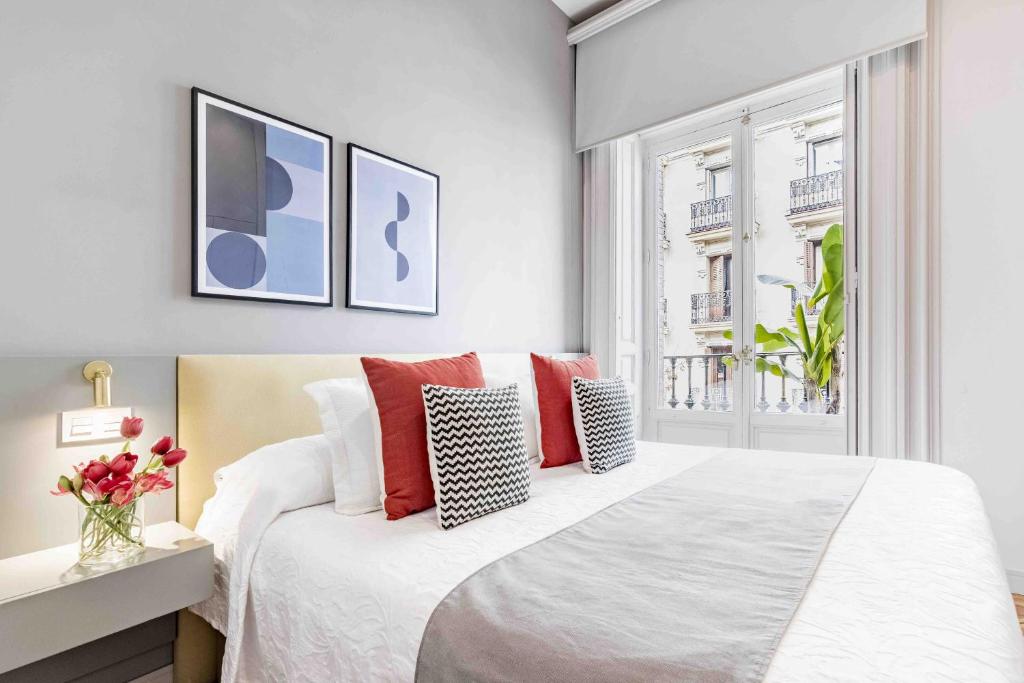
{"x": 392, "y": 234}
{"x": 262, "y": 205}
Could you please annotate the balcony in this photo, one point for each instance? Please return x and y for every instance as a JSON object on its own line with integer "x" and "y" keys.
{"x": 704, "y": 382}
{"x": 815, "y": 193}
{"x": 707, "y": 308}
{"x": 711, "y": 214}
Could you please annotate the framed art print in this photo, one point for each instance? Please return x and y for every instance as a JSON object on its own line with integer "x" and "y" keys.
{"x": 392, "y": 234}
{"x": 261, "y": 205}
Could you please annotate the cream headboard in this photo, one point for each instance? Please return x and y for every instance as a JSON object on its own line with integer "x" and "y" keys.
{"x": 229, "y": 406}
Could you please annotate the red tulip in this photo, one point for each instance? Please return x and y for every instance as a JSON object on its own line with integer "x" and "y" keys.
{"x": 95, "y": 470}
{"x": 123, "y": 464}
{"x": 114, "y": 484}
{"x": 131, "y": 427}
{"x": 172, "y": 458}
{"x": 162, "y": 446}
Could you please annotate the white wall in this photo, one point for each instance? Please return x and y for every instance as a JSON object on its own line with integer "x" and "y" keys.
{"x": 95, "y": 178}
{"x": 982, "y": 317}
{"x": 35, "y": 391}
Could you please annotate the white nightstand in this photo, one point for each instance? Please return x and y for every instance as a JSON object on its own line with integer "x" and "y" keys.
{"x": 48, "y": 604}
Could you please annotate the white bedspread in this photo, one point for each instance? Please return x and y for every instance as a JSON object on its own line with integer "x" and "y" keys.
{"x": 910, "y": 589}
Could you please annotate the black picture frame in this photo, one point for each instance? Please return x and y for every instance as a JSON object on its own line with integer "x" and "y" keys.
{"x": 198, "y": 225}
{"x": 352, "y": 227}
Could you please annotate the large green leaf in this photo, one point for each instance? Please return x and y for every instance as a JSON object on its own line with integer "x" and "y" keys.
{"x": 792, "y": 338}
{"x": 832, "y": 251}
{"x": 833, "y": 314}
{"x": 801, "y": 326}
{"x": 769, "y": 341}
{"x": 825, "y": 372}
{"x": 775, "y": 368}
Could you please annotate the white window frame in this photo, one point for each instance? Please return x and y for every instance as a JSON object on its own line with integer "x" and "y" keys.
{"x": 737, "y": 120}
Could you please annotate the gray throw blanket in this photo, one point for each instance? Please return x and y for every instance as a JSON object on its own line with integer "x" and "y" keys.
{"x": 693, "y": 579}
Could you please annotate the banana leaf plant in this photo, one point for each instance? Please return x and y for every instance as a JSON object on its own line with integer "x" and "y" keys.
{"x": 820, "y": 355}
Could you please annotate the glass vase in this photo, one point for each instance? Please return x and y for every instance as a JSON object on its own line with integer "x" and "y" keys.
{"x": 109, "y": 534}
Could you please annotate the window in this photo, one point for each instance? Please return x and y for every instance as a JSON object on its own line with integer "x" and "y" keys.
{"x": 721, "y": 182}
{"x": 730, "y": 283}
{"x": 826, "y": 156}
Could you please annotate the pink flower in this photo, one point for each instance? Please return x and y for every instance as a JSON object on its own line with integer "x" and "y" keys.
{"x": 172, "y": 458}
{"x": 123, "y": 464}
{"x": 155, "y": 482}
{"x": 114, "y": 484}
{"x": 93, "y": 490}
{"x": 131, "y": 427}
{"x": 122, "y": 496}
{"x": 63, "y": 487}
{"x": 95, "y": 471}
{"x": 162, "y": 446}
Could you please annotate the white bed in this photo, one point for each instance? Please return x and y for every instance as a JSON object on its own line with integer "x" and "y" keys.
{"x": 910, "y": 588}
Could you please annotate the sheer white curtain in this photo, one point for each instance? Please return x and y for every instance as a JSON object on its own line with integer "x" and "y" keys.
{"x": 897, "y": 259}
{"x": 612, "y": 265}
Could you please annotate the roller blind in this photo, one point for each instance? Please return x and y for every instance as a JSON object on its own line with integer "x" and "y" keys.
{"x": 680, "y": 56}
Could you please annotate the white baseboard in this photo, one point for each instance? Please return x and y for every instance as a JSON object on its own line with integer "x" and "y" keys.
{"x": 1016, "y": 581}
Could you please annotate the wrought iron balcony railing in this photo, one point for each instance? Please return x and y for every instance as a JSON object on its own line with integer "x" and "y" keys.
{"x": 704, "y": 381}
{"x": 794, "y": 296}
{"x": 817, "y": 192}
{"x": 711, "y": 214}
{"x": 711, "y": 307}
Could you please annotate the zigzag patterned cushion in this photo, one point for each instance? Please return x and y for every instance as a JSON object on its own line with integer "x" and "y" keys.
{"x": 603, "y": 414}
{"x": 478, "y": 459}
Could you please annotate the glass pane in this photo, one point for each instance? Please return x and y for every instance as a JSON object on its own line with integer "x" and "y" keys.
{"x": 695, "y": 276}
{"x": 798, "y": 257}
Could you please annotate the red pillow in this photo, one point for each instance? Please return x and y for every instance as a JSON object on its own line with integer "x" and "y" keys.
{"x": 552, "y": 382}
{"x": 402, "y": 449}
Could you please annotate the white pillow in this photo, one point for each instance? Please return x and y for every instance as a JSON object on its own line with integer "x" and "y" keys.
{"x": 528, "y": 406}
{"x": 346, "y": 418}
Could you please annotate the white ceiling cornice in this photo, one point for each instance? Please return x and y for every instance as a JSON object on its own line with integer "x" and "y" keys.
{"x": 618, "y": 12}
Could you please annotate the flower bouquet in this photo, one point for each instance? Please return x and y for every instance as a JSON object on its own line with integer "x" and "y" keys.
{"x": 111, "y": 519}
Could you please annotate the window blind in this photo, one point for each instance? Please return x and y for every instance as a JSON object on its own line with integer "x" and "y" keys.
{"x": 678, "y": 57}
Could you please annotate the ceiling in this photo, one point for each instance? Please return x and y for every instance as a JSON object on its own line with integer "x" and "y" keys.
{"x": 578, "y": 10}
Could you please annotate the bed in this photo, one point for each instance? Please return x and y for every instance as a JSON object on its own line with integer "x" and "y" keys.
{"x": 910, "y": 586}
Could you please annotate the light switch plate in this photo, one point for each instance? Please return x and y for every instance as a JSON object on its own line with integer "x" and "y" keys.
{"x": 92, "y": 424}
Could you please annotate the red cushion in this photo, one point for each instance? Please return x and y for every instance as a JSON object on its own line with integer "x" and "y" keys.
{"x": 552, "y": 380}
{"x": 397, "y": 392}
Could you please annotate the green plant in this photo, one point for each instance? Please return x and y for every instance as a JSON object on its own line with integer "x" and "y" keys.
{"x": 819, "y": 355}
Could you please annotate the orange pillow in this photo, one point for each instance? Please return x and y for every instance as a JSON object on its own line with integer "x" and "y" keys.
{"x": 552, "y": 383}
{"x": 396, "y": 390}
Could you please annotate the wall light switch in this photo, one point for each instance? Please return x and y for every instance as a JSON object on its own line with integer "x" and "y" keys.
{"x": 91, "y": 424}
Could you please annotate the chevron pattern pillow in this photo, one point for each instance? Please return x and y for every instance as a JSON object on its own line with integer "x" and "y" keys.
{"x": 603, "y": 415}
{"x": 478, "y": 459}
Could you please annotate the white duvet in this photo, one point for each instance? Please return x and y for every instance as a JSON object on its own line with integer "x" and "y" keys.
{"x": 910, "y": 589}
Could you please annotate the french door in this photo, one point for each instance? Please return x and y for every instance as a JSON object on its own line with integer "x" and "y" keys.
{"x": 748, "y": 314}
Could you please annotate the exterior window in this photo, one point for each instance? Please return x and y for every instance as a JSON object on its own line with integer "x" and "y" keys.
{"x": 721, "y": 182}
{"x": 826, "y": 156}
